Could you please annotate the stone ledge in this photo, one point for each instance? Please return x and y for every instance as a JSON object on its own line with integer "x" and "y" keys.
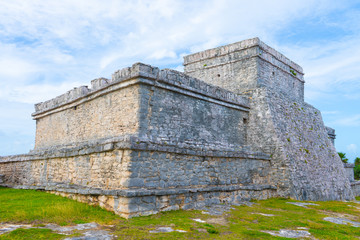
{"x": 140, "y": 70}
{"x": 135, "y": 143}
{"x": 330, "y": 131}
{"x": 68, "y": 188}
{"x": 349, "y": 165}
{"x": 355, "y": 182}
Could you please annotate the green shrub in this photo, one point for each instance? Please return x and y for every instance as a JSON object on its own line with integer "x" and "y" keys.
{"x": 357, "y": 161}
{"x": 343, "y": 157}
{"x": 357, "y": 172}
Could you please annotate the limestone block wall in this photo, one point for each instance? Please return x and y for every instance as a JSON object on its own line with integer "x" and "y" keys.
{"x": 355, "y": 186}
{"x": 144, "y": 141}
{"x": 132, "y": 177}
{"x": 142, "y": 100}
{"x": 172, "y": 118}
{"x": 105, "y": 170}
{"x": 154, "y": 202}
{"x": 300, "y": 147}
{"x": 171, "y": 170}
{"x": 246, "y": 65}
{"x": 304, "y": 163}
{"x": 349, "y": 171}
{"x": 108, "y": 115}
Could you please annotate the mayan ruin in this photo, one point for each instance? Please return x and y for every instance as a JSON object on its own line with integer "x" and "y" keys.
{"x": 232, "y": 127}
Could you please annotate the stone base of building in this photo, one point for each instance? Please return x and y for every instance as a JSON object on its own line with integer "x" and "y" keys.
{"x": 143, "y": 202}
{"x": 134, "y": 177}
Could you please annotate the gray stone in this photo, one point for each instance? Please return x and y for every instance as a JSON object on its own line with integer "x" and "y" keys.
{"x": 4, "y": 228}
{"x": 215, "y": 209}
{"x": 349, "y": 171}
{"x": 93, "y": 235}
{"x": 289, "y": 233}
{"x": 343, "y": 221}
{"x": 199, "y": 220}
{"x": 162, "y": 230}
{"x": 303, "y": 204}
{"x": 64, "y": 229}
{"x": 265, "y": 214}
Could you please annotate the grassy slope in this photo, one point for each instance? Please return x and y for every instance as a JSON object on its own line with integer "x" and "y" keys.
{"x": 28, "y": 206}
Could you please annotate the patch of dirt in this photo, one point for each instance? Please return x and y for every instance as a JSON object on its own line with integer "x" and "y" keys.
{"x": 220, "y": 221}
{"x": 202, "y": 230}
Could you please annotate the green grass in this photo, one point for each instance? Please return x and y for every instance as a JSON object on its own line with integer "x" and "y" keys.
{"x": 39, "y": 208}
{"x": 31, "y": 234}
{"x": 30, "y": 206}
{"x": 288, "y": 216}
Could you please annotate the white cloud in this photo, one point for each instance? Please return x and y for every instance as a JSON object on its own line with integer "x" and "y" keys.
{"x": 163, "y": 53}
{"x": 38, "y": 92}
{"x": 15, "y": 67}
{"x": 329, "y": 63}
{"x": 330, "y": 112}
{"x": 352, "y": 149}
{"x": 352, "y": 121}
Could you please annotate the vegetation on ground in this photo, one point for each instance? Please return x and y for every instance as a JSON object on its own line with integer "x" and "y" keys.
{"x": 31, "y": 234}
{"x": 243, "y": 222}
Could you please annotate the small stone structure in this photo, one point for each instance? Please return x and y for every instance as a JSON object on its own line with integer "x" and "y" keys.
{"x": 355, "y": 185}
{"x": 233, "y": 127}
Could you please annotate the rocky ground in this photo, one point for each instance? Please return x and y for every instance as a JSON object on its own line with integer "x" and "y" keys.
{"x": 217, "y": 215}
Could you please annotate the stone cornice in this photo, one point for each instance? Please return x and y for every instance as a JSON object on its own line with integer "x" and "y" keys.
{"x": 141, "y": 74}
{"x": 140, "y": 144}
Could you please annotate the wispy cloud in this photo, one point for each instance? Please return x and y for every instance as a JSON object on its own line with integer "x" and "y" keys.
{"x": 352, "y": 121}
{"x": 330, "y": 112}
{"x": 352, "y": 149}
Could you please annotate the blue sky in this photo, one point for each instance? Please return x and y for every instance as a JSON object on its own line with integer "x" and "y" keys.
{"x": 49, "y": 47}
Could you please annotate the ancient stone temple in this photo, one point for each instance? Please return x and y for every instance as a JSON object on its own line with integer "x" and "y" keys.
{"x": 233, "y": 127}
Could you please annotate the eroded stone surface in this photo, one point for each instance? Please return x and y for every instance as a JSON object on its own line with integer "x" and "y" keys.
{"x": 4, "y": 228}
{"x": 217, "y": 209}
{"x": 89, "y": 231}
{"x": 266, "y": 215}
{"x": 343, "y": 221}
{"x": 93, "y": 235}
{"x": 289, "y": 233}
{"x": 199, "y": 220}
{"x": 67, "y": 229}
{"x": 303, "y": 204}
{"x": 166, "y": 229}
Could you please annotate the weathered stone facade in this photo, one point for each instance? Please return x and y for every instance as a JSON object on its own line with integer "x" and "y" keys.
{"x": 355, "y": 184}
{"x": 280, "y": 122}
{"x": 151, "y": 140}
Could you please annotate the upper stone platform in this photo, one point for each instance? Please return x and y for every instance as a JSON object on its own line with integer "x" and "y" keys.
{"x": 160, "y": 106}
{"x": 238, "y": 46}
{"x": 246, "y": 65}
{"x": 124, "y": 76}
